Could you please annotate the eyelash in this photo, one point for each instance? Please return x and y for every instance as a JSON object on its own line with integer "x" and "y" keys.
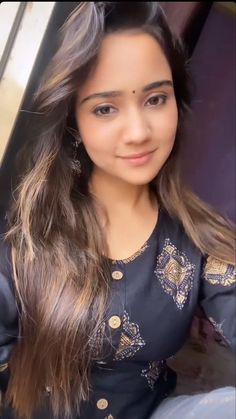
{"x": 99, "y": 108}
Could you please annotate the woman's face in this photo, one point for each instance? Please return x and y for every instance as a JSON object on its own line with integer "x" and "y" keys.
{"x": 127, "y": 107}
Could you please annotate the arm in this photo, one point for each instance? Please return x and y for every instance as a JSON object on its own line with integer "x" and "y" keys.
{"x": 218, "y": 297}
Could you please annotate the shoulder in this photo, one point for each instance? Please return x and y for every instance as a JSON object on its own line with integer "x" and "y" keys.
{"x": 172, "y": 229}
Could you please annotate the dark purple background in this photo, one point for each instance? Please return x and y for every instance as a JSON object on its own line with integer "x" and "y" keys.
{"x": 209, "y": 157}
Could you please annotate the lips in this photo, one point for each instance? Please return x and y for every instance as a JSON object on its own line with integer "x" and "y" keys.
{"x": 136, "y": 156}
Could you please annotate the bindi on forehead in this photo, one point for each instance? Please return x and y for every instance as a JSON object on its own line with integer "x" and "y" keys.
{"x": 113, "y": 93}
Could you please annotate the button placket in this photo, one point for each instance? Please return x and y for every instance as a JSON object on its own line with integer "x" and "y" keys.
{"x": 114, "y": 322}
{"x": 117, "y": 275}
{"x": 114, "y": 314}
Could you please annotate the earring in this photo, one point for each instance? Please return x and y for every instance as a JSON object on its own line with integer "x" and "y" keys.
{"x": 75, "y": 161}
{"x": 76, "y": 165}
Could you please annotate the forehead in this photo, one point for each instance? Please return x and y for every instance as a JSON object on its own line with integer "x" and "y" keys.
{"x": 127, "y": 61}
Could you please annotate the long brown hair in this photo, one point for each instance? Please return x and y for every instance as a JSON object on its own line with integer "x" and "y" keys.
{"x": 60, "y": 275}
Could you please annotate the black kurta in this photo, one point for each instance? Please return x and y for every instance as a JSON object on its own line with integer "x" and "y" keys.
{"x": 154, "y": 297}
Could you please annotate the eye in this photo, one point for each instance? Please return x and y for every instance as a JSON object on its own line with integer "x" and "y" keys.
{"x": 157, "y": 100}
{"x": 103, "y": 110}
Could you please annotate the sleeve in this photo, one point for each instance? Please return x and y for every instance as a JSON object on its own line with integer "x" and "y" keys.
{"x": 8, "y": 317}
{"x": 218, "y": 297}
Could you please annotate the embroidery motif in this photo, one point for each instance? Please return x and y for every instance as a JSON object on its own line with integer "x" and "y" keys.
{"x": 175, "y": 273}
{"x": 130, "y": 341}
{"x": 134, "y": 256}
{"x": 96, "y": 341}
{"x": 152, "y": 373}
{"x": 219, "y": 273}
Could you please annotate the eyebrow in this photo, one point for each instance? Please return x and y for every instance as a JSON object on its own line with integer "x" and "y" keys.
{"x": 114, "y": 93}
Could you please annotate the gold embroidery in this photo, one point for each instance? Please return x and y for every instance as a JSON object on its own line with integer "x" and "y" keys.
{"x": 175, "y": 273}
{"x": 130, "y": 341}
{"x": 152, "y": 373}
{"x": 96, "y": 341}
{"x": 219, "y": 273}
{"x": 134, "y": 256}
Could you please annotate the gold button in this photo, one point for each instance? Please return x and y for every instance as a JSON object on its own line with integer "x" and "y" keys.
{"x": 102, "y": 404}
{"x": 117, "y": 275}
{"x": 114, "y": 322}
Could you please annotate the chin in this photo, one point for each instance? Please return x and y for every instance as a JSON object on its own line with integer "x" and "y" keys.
{"x": 140, "y": 180}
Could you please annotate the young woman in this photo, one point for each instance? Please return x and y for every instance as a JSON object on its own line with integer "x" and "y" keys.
{"x": 108, "y": 253}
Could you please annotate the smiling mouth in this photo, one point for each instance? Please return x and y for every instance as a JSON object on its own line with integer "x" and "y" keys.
{"x": 136, "y": 156}
{"x": 140, "y": 159}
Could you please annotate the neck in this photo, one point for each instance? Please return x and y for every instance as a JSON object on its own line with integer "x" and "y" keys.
{"x": 121, "y": 199}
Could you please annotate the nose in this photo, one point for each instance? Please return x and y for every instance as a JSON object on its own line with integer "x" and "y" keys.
{"x": 137, "y": 129}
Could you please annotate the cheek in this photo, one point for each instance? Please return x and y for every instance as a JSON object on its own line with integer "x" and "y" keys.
{"x": 90, "y": 128}
{"x": 97, "y": 144}
{"x": 166, "y": 126}
{"x": 92, "y": 138}
{"x": 96, "y": 147}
